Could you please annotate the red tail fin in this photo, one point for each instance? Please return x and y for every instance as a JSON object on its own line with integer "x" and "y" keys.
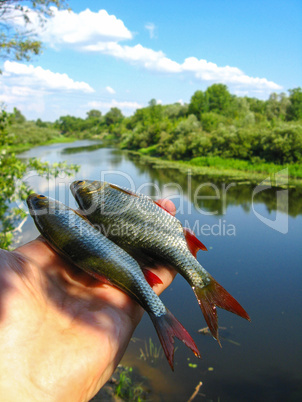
{"x": 151, "y": 278}
{"x": 167, "y": 327}
{"x": 214, "y": 295}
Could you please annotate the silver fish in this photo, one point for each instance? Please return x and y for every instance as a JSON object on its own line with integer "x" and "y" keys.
{"x": 145, "y": 230}
{"x": 77, "y": 240}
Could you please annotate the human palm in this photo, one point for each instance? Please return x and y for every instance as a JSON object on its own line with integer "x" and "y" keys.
{"x": 62, "y": 333}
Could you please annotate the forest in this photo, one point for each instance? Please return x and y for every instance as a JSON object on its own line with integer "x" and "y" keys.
{"x": 216, "y": 127}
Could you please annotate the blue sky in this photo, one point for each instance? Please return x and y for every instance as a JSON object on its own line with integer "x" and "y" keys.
{"x": 122, "y": 53}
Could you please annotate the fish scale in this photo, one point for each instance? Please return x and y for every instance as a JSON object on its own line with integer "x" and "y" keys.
{"x": 149, "y": 231}
{"x": 76, "y": 239}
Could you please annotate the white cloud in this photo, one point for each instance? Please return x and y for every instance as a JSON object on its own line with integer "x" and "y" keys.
{"x": 207, "y": 71}
{"x": 127, "y": 107}
{"x": 110, "y": 90}
{"x": 25, "y": 99}
{"x": 138, "y": 55}
{"x": 68, "y": 27}
{"x": 26, "y": 86}
{"x": 28, "y": 76}
{"x": 201, "y": 70}
{"x": 101, "y": 32}
{"x": 151, "y": 28}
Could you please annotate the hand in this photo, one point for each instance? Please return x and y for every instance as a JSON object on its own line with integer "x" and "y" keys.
{"x": 62, "y": 333}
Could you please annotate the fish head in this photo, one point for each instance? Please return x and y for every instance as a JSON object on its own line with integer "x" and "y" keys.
{"x": 39, "y": 204}
{"x": 93, "y": 195}
{"x": 88, "y": 193}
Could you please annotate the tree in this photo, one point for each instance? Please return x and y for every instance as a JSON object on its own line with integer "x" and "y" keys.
{"x": 198, "y": 104}
{"x": 92, "y": 114}
{"x": 17, "y": 42}
{"x": 219, "y": 99}
{"x": 12, "y": 170}
{"x": 276, "y": 106}
{"x": 113, "y": 116}
{"x": 152, "y": 102}
{"x": 294, "y": 109}
{"x": 256, "y": 105}
{"x": 40, "y": 123}
{"x": 176, "y": 110}
{"x": 155, "y": 111}
{"x": 18, "y": 116}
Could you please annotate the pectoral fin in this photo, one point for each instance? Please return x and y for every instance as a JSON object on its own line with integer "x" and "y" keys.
{"x": 193, "y": 243}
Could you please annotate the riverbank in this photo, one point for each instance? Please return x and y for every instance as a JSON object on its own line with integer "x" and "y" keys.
{"x": 231, "y": 170}
{"x": 18, "y": 148}
{"x": 216, "y": 168}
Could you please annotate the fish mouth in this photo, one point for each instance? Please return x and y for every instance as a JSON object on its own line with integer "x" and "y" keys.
{"x": 78, "y": 186}
{"x": 32, "y": 196}
{"x": 79, "y": 191}
{"x": 86, "y": 187}
{"x": 72, "y": 188}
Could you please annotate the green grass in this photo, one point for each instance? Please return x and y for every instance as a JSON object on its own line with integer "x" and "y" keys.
{"x": 26, "y": 135}
{"x": 294, "y": 170}
{"x": 60, "y": 139}
{"x": 226, "y": 169}
{"x": 218, "y": 164}
{"x": 17, "y": 148}
{"x": 151, "y": 151}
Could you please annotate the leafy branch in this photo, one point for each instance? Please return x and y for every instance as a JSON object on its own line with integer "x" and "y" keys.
{"x": 18, "y": 41}
{"x": 13, "y": 187}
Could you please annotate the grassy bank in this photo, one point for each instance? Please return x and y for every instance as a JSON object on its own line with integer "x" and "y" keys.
{"x": 229, "y": 169}
{"x": 18, "y": 148}
{"x": 21, "y": 136}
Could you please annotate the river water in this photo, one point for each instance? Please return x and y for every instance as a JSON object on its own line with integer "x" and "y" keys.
{"x": 254, "y": 241}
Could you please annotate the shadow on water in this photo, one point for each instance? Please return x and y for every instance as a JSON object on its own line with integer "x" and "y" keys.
{"x": 87, "y": 148}
{"x": 206, "y": 192}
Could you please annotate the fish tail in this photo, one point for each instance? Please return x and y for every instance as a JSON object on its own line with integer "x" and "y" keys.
{"x": 214, "y": 295}
{"x": 168, "y": 327}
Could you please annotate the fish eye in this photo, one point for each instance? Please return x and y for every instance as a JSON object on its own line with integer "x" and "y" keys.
{"x": 80, "y": 182}
{"x": 41, "y": 196}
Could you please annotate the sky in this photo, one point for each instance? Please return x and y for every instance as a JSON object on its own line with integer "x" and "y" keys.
{"x": 123, "y": 53}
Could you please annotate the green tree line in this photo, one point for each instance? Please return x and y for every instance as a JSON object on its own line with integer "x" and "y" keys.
{"x": 214, "y": 123}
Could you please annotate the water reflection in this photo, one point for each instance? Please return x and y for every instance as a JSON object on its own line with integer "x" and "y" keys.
{"x": 86, "y": 148}
{"x": 220, "y": 193}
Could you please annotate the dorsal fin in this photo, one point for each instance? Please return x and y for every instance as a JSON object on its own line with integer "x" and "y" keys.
{"x": 193, "y": 243}
{"x": 151, "y": 278}
{"x": 123, "y": 190}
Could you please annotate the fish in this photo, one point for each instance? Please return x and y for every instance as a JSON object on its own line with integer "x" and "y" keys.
{"x": 75, "y": 238}
{"x": 145, "y": 229}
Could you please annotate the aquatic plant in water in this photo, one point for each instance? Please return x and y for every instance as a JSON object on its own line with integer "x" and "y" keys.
{"x": 128, "y": 390}
{"x": 152, "y": 353}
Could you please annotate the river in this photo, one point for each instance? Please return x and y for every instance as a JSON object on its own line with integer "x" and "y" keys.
{"x": 254, "y": 238}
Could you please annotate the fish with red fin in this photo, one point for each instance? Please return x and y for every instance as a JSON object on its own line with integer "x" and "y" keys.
{"x": 75, "y": 238}
{"x": 146, "y": 230}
